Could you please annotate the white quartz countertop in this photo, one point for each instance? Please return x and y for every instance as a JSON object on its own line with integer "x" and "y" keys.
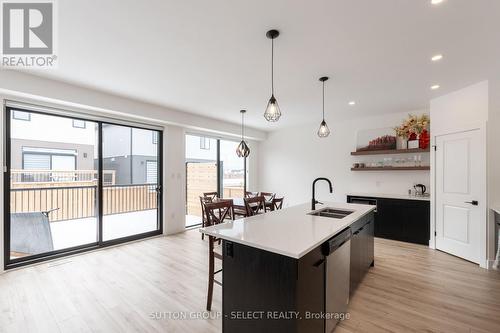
{"x": 391, "y": 196}
{"x": 290, "y": 231}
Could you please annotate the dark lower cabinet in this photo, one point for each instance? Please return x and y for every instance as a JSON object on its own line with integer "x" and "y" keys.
{"x": 362, "y": 252}
{"x": 267, "y": 292}
{"x": 400, "y": 219}
{"x": 263, "y": 291}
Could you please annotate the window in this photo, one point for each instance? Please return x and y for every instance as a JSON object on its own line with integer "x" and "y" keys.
{"x": 56, "y": 202}
{"x": 78, "y": 123}
{"x": 39, "y": 159}
{"x": 204, "y": 143}
{"x": 151, "y": 172}
{"x": 20, "y": 115}
{"x": 211, "y": 166}
{"x": 155, "y": 137}
{"x": 36, "y": 161}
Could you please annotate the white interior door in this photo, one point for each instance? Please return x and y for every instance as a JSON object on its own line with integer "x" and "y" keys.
{"x": 460, "y": 212}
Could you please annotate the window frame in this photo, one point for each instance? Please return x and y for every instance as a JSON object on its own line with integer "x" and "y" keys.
{"x": 10, "y": 263}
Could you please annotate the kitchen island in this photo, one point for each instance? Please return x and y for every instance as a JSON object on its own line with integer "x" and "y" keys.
{"x": 278, "y": 274}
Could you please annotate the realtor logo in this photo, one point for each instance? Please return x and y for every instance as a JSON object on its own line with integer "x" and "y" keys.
{"x": 28, "y": 34}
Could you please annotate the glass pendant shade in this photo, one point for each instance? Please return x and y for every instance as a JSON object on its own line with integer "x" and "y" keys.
{"x": 242, "y": 150}
{"x": 323, "y": 130}
{"x": 273, "y": 112}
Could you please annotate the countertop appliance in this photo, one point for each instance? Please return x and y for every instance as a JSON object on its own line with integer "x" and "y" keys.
{"x": 420, "y": 189}
{"x": 337, "y": 253}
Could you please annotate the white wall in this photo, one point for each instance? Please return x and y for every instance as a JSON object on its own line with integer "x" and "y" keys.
{"x": 493, "y": 161}
{"x": 462, "y": 110}
{"x": 39, "y": 91}
{"x": 174, "y": 180}
{"x": 292, "y": 158}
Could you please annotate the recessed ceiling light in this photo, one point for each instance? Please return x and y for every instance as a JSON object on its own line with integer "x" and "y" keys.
{"x": 434, "y": 87}
{"x": 437, "y": 57}
{"x": 352, "y": 103}
{"x": 436, "y": 2}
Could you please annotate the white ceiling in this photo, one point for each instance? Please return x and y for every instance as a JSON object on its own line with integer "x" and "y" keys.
{"x": 212, "y": 57}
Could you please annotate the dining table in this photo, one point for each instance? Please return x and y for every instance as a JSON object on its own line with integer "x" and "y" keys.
{"x": 239, "y": 203}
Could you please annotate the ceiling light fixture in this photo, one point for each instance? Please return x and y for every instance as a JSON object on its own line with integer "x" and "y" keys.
{"x": 242, "y": 150}
{"x": 273, "y": 112}
{"x": 437, "y": 57}
{"x": 323, "y": 130}
{"x": 435, "y": 87}
{"x": 436, "y": 2}
{"x": 352, "y": 103}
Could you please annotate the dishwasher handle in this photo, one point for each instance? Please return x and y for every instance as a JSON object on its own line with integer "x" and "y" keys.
{"x": 337, "y": 241}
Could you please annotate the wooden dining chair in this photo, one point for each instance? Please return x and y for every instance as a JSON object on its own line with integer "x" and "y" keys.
{"x": 255, "y": 205}
{"x": 211, "y": 195}
{"x": 203, "y": 201}
{"x": 277, "y": 203}
{"x": 215, "y": 213}
{"x": 268, "y": 197}
{"x": 249, "y": 194}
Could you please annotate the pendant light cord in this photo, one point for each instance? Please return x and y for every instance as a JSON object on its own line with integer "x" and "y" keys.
{"x": 242, "y": 126}
{"x": 272, "y": 66}
{"x": 323, "y": 100}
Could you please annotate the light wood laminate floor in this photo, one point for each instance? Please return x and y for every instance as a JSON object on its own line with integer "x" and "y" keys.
{"x": 410, "y": 289}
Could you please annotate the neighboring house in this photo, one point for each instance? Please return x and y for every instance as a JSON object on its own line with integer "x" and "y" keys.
{"x": 131, "y": 153}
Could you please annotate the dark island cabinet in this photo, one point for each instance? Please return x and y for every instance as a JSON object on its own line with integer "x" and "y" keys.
{"x": 362, "y": 252}
{"x": 268, "y": 292}
{"x": 404, "y": 220}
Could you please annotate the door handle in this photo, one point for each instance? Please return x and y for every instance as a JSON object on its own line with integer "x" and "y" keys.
{"x": 473, "y": 202}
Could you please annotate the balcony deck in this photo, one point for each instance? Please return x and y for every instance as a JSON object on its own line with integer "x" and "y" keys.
{"x": 76, "y": 232}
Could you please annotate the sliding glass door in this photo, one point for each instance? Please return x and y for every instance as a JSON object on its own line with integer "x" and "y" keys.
{"x": 130, "y": 202}
{"x": 74, "y": 184}
{"x": 211, "y": 166}
{"x": 201, "y": 174}
{"x": 232, "y": 170}
{"x": 53, "y": 184}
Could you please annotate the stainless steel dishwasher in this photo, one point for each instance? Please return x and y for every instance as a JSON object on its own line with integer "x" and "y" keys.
{"x": 337, "y": 251}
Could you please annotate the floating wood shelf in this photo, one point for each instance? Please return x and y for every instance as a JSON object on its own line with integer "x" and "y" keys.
{"x": 391, "y": 168}
{"x": 390, "y": 151}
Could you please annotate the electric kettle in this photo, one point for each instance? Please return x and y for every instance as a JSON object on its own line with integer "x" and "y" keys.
{"x": 420, "y": 189}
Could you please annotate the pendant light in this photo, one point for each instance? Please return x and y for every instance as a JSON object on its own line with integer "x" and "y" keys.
{"x": 323, "y": 130}
{"x": 273, "y": 112}
{"x": 242, "y": 150}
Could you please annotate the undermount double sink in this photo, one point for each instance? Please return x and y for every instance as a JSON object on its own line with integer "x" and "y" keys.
{"x": 332, "y": 213}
